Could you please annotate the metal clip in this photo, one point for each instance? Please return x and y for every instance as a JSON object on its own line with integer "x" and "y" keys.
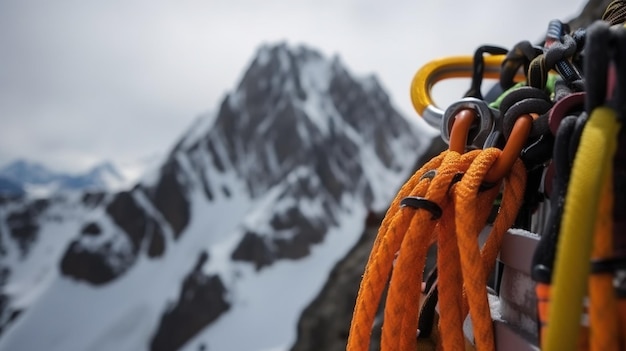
{"x": 440, "y": 69}
{"x": 477, "y": 136}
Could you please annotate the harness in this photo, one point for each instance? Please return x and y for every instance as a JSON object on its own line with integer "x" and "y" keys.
{"x": 527, "y": 207}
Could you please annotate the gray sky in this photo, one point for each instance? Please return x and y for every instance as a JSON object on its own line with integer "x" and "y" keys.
{"x": 83, "y": 81}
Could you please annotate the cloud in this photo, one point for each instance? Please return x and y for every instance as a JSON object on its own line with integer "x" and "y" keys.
{"x": 82, "y": 81}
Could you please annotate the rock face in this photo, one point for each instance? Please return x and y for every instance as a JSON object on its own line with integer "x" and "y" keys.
{"x": 201, "y": 300}
{"x": 325, "y": 323}
{"x": 23, "y": 224}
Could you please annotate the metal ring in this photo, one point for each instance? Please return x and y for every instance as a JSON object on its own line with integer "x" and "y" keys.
{"x": 485, "y": 114}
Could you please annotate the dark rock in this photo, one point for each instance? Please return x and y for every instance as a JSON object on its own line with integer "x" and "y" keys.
{"x": 217, "y": 161}
{"x": 254, "y": 249}
{"x": 3, "y": 249}
{"x": 91, "y": 229}
{"x": 6, "y": 198}
{"x": 93, "y": 199}
{"x": 201, "y": 301}
{"x": 98, "y": 260}
{"x": 225, "y": 191}
{"x": 196, "y": 156}
{"x": 8, "y": 315}
{"x": 303, "y": 234}
{"x": 101, "y": 261}
{"x": 129, "y": 216}
{"x": 325, "y": 323}
{"x": 169, "y": 197}
{"x": 24, "y": 224}
{"x": 355, "y": 100}
{"x": 156, "y": 244}
{"x": 24, "y": 228}
{"x": 40, "y": 205}
{"x": 89, "y": 266}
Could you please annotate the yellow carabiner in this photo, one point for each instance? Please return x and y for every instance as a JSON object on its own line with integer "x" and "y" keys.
{"x": 440, "y": 69}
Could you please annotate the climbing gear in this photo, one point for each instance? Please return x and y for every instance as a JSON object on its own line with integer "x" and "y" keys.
{"x": 527, "y": 207}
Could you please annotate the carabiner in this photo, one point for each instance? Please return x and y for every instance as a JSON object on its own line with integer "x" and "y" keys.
{"x": 475, "y": 137}
{"x": 440, "y": 69}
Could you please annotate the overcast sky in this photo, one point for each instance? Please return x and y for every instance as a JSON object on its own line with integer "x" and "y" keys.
{"x": 84, "y": 81}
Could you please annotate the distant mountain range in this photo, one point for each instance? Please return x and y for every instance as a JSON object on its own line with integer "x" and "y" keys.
{"x": 24, "y": 177}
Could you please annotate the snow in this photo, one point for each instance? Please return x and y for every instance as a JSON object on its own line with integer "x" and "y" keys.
{"x": 268, "y": 303}
{"x": 39, "y": 191}
{"x": 113, "y": 181}
{"x": 263, "y": 55}
{"x": 31, "y": 274}
{"x": 142, "y": 200}
{"x": 128, "y": 309}
{"x": 199, "y": 128}
{"x": 133, "y": 171}
{"x": 315, "y": 77}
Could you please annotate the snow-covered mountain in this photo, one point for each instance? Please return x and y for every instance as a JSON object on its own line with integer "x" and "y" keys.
{"x": 223, "y": 246}
{"x": 38, "y": 180}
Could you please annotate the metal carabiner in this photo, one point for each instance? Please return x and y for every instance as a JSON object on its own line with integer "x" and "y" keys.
{"x": 440, "y": 69}
{"x": 475, "y": 137}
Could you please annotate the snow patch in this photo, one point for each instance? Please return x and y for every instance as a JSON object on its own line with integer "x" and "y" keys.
{"x": 199, "y": 128}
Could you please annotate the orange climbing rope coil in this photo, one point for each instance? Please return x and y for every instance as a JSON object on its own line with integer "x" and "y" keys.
{"x": 465, "y": 266}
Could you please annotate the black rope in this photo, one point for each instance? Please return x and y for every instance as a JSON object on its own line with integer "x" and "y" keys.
{"x": 479, "y": 68}
{"x": 520, "y": 56}
{"x": 567, "y": 138}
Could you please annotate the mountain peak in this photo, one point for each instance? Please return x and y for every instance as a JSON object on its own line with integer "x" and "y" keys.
{"x": 285, "y": 52}
{"x": 40, "y": 181}
{"x": 33, "y": 172}
{"x": 285, "y": 168}
{"x": 295, "y": 69}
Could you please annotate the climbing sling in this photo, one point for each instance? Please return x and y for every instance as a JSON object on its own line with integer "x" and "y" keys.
{"x": 526, "y": 207}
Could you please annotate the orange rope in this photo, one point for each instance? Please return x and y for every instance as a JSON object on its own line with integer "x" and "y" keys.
{"x": 472, "y": 209}
{"x": 450, "y": 301}
{"x": 409, "y": 232}
{"x": 381, "y": 259}
{"x": 604, "y": 333}
{"x": 543, "y": 305}
{"x": 401, "y": 308}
